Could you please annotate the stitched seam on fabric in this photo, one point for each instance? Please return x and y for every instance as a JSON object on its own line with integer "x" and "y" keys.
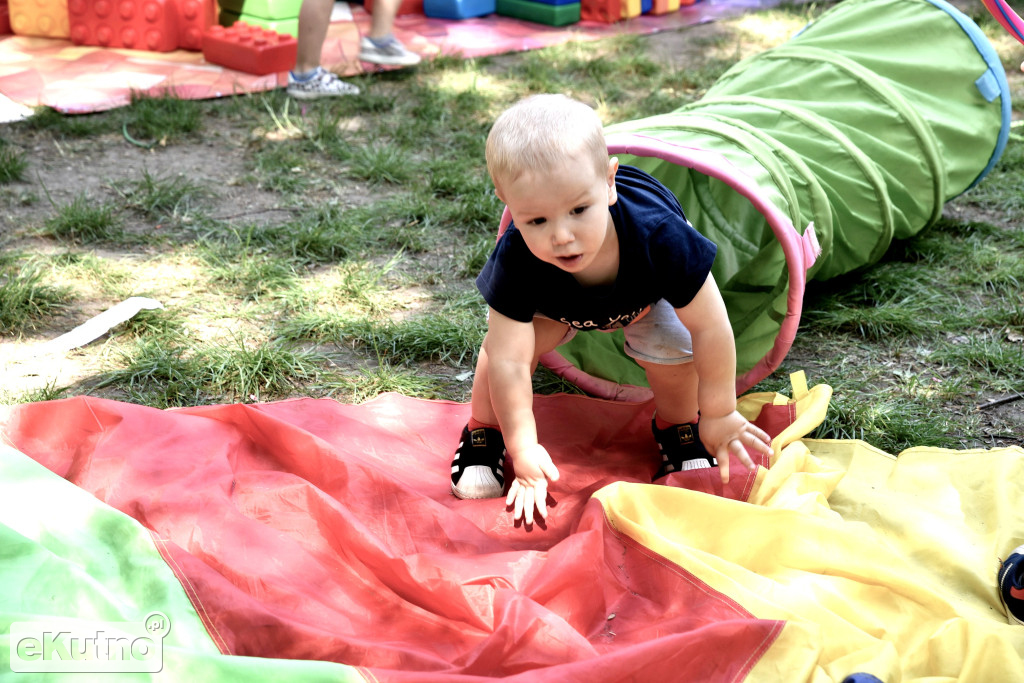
{"x": 192, "y": 594}
{"x": 766, "y": 643}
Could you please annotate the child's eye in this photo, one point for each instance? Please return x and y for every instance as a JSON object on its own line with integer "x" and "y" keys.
{"x": 578, "y": 210}
{"x": 537, "y": 221}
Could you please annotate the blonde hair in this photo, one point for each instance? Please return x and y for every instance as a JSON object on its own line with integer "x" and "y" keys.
{"x": 540, "y": 132}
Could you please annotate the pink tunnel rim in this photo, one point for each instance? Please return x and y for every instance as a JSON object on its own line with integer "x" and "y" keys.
{"x": 799, "y": 250}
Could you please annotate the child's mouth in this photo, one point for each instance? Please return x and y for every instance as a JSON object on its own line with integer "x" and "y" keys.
{"x": 569, "y": 261}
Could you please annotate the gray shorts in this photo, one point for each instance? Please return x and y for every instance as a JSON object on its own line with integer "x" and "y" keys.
{"x": 658, "y": 337}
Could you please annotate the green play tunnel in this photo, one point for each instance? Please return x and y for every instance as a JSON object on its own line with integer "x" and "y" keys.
{"x": 807, "y": 160}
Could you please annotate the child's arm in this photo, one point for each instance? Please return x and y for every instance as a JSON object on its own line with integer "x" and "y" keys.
{"x": 509, "y": 346}
{"x": 722, "y": 428}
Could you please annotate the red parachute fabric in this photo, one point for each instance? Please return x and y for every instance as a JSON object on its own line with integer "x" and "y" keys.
{"x": 310, "y": 529}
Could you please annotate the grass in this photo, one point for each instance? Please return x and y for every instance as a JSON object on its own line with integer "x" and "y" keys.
{"x": 12, "y": 164}
{"x": 337, "y": 258}
{"x": 26, "y": 297}
{"x": 84, "y": 221}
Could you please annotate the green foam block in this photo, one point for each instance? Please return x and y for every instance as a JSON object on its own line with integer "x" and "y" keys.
{"x": 539, "y": 12}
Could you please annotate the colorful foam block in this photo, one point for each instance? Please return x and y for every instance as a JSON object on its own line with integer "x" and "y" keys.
{"x": 268, "y": 9}
{"x": 5, "y": 19}
{"x": 133, "y": 24}
{"x": 249, "y": 48}
{"x": 605, "y": 11}
{"x": 288, "y": 27}
{"x": 664, "y": 6}
{"x": 458, "y": 9}
{"x": 540, "y": 13}
{"x": 194, "y": 17}
{"x": 41, "y": 18}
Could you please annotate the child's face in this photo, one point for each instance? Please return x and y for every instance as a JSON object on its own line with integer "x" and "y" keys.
{"x": 563, "y": 216}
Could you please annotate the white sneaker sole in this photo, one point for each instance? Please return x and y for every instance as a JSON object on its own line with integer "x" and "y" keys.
{"x": 304, "y": 95}
{"x": 385, "y": 60}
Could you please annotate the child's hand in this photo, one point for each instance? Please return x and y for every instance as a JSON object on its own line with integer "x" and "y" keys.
{"x": 533, "y": 470}
{"x": 732, "y": 433}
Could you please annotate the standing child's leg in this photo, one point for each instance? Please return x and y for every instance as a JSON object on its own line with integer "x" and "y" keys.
{"x": 675, "y": 422}
{"x": 662, "y": 346}
{"x": 478, "y": 466}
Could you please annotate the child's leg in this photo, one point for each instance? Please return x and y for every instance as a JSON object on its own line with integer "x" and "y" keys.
{"x": 548, "y": 334}
{"x": 662, "y": 346}
{"x": 675, "y": 423}
{"x": 477, "y": 469}
{"x": 675, "y": 391}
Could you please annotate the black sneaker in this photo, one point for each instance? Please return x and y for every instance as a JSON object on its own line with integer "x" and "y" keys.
{"x": 479, "y": 464}
{"x": 1011, "y": 586}
{"x": 681, "y": 449}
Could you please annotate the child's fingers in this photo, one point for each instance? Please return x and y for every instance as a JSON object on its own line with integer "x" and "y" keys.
{"x": 517, "y": 510}
{"x": 528, "y": 505}
{"x": 762, "y": 436}
{"x": 723, "y": 463}
{"x": 742, "y": 454}
{"x": 540, "y": 499}
{"x": 512, "y": 491}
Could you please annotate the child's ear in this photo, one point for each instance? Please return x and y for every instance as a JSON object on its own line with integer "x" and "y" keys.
{"x": 613, "y": 168}
{"x": 497, "y": 193}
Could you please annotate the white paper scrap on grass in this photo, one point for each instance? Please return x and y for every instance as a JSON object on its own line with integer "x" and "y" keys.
{"x": 98, "y": 325}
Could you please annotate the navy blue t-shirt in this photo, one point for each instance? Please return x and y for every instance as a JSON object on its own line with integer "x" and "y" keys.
{"x": 661, "y": 256}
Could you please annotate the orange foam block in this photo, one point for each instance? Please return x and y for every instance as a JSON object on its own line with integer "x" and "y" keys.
{"x": 249, "y": 48}
{"x": 40, "y": 18}
{"x": 665, "y": 6}
{"x": 150, "y": 25}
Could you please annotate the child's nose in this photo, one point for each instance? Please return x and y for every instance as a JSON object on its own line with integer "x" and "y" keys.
{"x": 562, "y": 235}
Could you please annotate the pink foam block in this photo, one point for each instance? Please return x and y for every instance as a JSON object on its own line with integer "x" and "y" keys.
{"x": 150, "y": 25}
{"x": 248, "y": 48}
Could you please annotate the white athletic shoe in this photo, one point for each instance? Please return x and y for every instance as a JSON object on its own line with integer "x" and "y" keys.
{"x": 388, "y": 51}
{"x": 321, "y": 84}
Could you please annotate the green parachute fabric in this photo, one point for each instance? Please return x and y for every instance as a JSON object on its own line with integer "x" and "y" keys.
{"x": 806, "y": 161}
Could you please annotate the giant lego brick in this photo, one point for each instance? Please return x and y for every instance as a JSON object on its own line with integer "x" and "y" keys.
{"x": 248, "y": 48}
{"x": 194, "y": 17}
{"x": 605, "y": 11}
{"x": 150, "y": 25}
{"x": 41, "y": 18}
